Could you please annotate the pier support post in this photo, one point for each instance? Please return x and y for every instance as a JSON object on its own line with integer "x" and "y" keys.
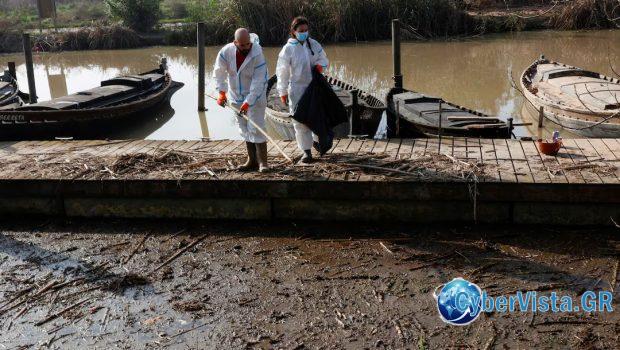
{"x": 354, "y": 116}
{"x": 541, "y": 116}
{"x": 32, "y": 89}
{"x": 12, "y": 70}
{"x": 200, "y": 37}
{"x": 398, "y": 76}
{"x": 440, "y": 125}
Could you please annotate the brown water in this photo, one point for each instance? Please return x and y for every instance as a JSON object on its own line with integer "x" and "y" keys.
{"x": 472, "y": 73}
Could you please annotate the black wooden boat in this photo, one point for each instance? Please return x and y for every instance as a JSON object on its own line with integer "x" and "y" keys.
{"x": 412, "y": 114}
{"x": 369, "y": 110}
{"x": 89, "y": 112}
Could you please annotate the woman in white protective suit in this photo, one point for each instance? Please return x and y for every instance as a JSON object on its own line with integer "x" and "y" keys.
{"x": 240, "y": 73}
{"x": 294, "y": 70}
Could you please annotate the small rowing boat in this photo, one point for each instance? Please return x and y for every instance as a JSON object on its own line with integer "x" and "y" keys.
{"x": 90, "y": 112}
{"x": 584, "y": 102}
{"x": 369, "y": 109}
{"x": 412, "y": 114}
{"x": 9, "y": 90}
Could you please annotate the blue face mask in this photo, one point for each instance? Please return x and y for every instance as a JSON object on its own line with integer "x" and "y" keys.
{"x": 301, "y": 36}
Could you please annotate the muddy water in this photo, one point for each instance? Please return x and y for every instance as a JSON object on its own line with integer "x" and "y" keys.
{"x": 472, "y": 73}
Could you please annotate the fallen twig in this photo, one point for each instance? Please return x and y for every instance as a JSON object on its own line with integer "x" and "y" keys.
{"x": 138, "y": 247}
{"x": 385, "y": 248}
{"x": 60, "y": 313}
{"x": 177, "y": 254}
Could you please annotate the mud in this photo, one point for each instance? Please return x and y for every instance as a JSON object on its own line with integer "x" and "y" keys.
{"x": 118, "y": 284}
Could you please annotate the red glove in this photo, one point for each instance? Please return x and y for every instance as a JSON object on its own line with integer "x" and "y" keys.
{"x": 319, "y": 68}
{"x": 222, "y": 100}
{"x": 284, "y": 99}
{"x": 244, "y": 108}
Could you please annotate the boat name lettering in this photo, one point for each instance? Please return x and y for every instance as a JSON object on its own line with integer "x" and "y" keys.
{"x": 11, "y": 117}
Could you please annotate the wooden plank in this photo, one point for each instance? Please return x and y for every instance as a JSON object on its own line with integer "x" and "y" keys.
{"x": 488, "y": 155}
{"x": 566, "y": 160}
{"x": 380, "y": 146}
{"x": 535, "y": 162}
{"x": 506, "y": 167}
{"x": 522, "y": 168}
{"x": 339, "y": 148}
{"x": 459, "y": 148}
{"x": 220, "y": 146}
{"x": 599, "y": 152}
{"x": 187, "y": 146}
{"x": 354, "y": 147}
{"x": 606, "y": 152}
{"x": 392, "y": 147}
{"x": 369, "y": 146}
{"x": 474, "y": 149}
{"x": 579, "y": 157}
{"x": 419, "y": 148}
{"x": 105, "y": 151}
{"x": 613, "y": 145}
{"x": 406, "y": 149}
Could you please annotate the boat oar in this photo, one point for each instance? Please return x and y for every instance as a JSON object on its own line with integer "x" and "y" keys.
{"x": 263, "y": 132}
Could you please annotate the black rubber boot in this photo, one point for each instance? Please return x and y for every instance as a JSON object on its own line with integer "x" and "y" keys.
{"x": 307, "y": 157}
{"x": 261, "y": 156}
{"x": 251, "y": 164}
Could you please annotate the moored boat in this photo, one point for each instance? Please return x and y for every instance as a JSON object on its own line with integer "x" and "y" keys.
{"x": 369, "y": 109}
{"x": 583, "y": 102}
{"x": 412, "y": 114}
{"x": 115, "y": 101}
{"x": 9, "y": 90}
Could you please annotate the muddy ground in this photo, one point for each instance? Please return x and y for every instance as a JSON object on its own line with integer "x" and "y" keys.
{"x": 117, "y": 284}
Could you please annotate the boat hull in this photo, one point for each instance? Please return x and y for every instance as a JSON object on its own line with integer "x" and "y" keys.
{"x": 412, "y": 126}
{"x": 84, "y": 123}
{"x": 370, "y": 113}
{"x": 584, "y": 122}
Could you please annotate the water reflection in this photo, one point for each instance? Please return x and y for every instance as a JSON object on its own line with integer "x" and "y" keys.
{"x": 472, "y": 73}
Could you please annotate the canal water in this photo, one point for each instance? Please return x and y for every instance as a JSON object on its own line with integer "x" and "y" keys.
{"x": 472, "y": 72}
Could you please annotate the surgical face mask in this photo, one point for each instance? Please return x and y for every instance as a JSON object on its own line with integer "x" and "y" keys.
{"x": 301, "y": 36}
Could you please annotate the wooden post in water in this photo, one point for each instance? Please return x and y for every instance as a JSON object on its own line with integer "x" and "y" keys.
{"x": 541, "y": 116}
{"x": 510, "y": 127}
{"x": 440, "y": 125}
{"x": 354, "y": 117}
{"x": 32, "y": 89}
{"x": 398, "y": 75}
{"x": 200, "y": 34}
{"x": 12, "y": 70}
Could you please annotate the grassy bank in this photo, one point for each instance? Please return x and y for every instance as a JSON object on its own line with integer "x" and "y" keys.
{"x": 332, "y": 21}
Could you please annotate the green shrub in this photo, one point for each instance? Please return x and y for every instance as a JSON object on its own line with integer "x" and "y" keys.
{"x": 140, "y": 15}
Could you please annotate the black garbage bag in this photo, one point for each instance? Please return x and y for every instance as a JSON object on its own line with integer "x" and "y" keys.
{"x": 321, "y": 110}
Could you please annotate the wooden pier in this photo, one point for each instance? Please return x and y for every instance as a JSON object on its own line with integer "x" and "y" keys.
{"x": 580, "y": 186}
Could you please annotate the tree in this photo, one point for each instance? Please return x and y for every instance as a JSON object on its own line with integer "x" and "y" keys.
{"x": 140, "y": 15}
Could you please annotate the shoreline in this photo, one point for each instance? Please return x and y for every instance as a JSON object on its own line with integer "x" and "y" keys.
{"x": 119, "y": 37}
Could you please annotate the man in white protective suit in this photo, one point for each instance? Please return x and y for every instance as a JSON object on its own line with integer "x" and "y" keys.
{"x": 298, "y": 57}
{"x": 241, "y": 78}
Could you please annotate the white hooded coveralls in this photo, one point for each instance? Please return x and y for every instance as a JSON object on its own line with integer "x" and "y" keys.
{"x": 249, "y": 84}
{"x": 294, "y": 71}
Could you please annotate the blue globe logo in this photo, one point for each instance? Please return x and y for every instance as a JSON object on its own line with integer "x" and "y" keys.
{"x": 459, "y": 302}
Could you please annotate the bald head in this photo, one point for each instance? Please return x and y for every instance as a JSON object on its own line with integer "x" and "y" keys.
{"x": 242, "y": 34}
{"x": 243, "y": 42}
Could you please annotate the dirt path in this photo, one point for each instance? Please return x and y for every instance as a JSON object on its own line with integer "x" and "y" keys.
{"x": 111, "y": 285}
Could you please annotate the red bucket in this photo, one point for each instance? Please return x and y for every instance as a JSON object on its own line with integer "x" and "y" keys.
{"x": 549, "y": 148}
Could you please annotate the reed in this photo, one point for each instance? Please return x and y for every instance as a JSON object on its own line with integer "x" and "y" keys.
{"x": 583, "y": 14}
{"x": 352, "y": 20}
